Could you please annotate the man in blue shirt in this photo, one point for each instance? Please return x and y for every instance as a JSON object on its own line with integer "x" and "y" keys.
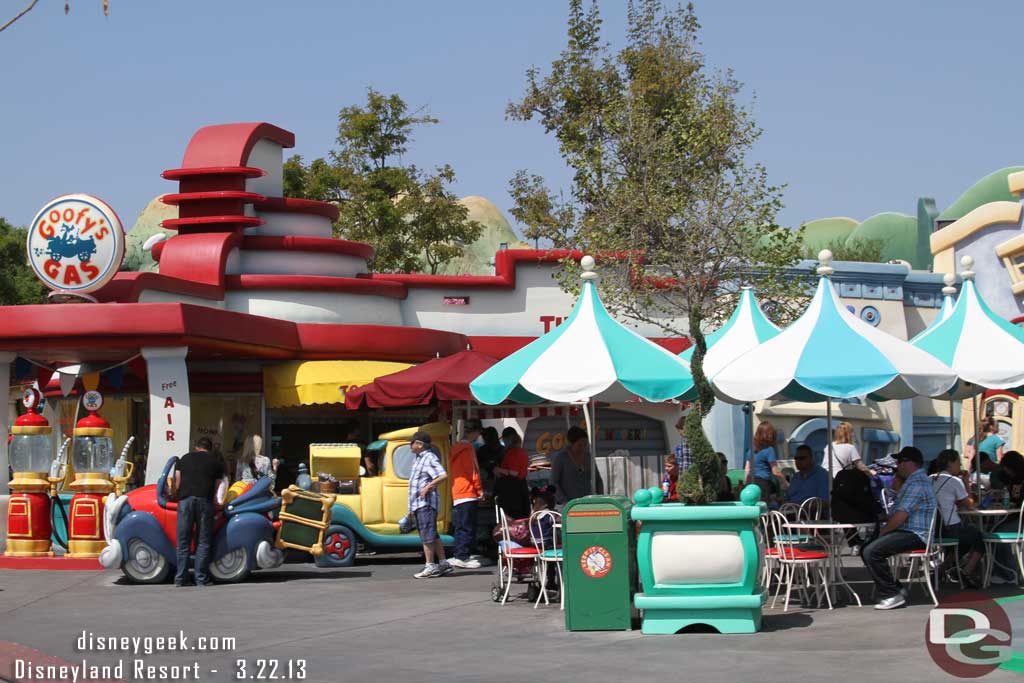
{"x": 907, "y": 529}
{"x": 810, "y": 480}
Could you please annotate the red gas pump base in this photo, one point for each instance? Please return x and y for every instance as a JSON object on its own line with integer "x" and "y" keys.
{"x": 52, "y": 563}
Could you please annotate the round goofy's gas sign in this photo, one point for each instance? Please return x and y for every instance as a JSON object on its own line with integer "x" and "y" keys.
{"x": 76, "y": 243}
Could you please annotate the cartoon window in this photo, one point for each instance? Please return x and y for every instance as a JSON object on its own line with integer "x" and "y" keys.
{"x": 1012, "y": 254}
{"x": 402, "y": 459}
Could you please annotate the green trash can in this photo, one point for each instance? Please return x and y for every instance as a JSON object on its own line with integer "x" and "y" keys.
{"x": 599, "y": 563}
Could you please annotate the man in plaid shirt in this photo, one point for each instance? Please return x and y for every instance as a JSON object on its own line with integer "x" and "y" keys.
{"x": 684, "y": 458}
{"x": 907, "y": 529}
{"x": 424, "y": 501}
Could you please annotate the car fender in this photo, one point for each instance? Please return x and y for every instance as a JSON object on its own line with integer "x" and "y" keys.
{"x": 144, "y": 526}
{"x": 343, "y": 515}
{"x": 243, "y": 531}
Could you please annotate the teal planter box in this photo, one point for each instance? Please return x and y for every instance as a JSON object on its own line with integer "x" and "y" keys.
{"x": 699, "y": 564}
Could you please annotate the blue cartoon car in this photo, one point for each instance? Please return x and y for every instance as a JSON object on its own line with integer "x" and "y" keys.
{"x": 141, "y": 526}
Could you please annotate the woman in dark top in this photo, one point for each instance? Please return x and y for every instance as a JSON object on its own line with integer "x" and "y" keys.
{"x": 510, "y": 486}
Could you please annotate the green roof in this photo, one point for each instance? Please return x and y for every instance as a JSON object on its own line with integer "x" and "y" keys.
{"x": 991, "y": 188}
{"x": 820, "y": 233}
{"x": 897, "y": 230}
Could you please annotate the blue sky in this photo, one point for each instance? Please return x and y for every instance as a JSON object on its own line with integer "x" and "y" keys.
{"x": 866, "y": 106}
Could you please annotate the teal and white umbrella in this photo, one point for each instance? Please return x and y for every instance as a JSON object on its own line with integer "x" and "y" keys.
{"x": 745, "y": 329}
{"x": 589, "y": 356}
{"x": 831, "y": 353}
{"x": 984, "y": 349}
{"x": 948, "y": 303}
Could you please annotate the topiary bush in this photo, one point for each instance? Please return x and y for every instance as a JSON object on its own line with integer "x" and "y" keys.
{"x": 698, "y": 485}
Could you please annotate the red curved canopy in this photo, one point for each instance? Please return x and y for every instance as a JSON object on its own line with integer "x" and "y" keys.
{"x": 446, "y": 379}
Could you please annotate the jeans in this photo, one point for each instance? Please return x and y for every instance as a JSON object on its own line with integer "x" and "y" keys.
{"x": 194, "y": 512}
{"x": 464, "y": 523}
{"x": 876, "y": 554}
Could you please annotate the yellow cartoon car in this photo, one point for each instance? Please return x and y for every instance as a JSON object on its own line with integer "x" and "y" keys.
{"x": 368, "y": 506}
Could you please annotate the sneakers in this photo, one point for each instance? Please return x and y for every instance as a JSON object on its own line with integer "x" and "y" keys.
{"x": 1000, "y": 580}
{"x": 445, "y": 568}
{"x": 465, "y": 564}
{"x": 892, "y": 603}
{"x": 431, "y": 571}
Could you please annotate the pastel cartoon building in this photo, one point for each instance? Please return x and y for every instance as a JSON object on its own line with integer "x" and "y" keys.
{"x": 255, "y": 319}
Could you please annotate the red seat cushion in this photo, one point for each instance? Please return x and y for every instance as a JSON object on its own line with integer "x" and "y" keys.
{"x": 797, "y": 554}
{"x": 522, "y": 551}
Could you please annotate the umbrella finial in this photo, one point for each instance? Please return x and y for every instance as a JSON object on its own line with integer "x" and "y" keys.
{"x": 950, "y": 280}
{"x": 825, "y": 269}
{"x": 968, "y": 263}
{"x": 587, "y": 264}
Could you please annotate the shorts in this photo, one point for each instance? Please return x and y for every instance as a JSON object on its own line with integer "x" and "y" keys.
{"x": 426, "y": 522}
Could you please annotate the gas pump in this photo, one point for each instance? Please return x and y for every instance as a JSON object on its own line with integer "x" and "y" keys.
{"x": 28, "y": 510}
{"x": 92, "y": 458}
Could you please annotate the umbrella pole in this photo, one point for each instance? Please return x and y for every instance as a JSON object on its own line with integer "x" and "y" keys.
{"x": 593, "y": 447}
{"x": 828, "y": 435}
{"x": 977, "y": 453}
{"x": 749, "y": 445}
{"x": 952, "y": 425}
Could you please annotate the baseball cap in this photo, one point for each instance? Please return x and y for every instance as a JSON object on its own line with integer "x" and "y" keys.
{"x": 421, "y": 436}
{"x": 473, "y": 425}
{"x": 910, "y": 454}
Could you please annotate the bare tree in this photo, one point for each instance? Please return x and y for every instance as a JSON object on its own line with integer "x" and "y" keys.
{"x": 67, "y": 8}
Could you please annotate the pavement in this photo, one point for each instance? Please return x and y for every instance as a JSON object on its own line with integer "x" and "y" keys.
{"x": 375, "y": 622}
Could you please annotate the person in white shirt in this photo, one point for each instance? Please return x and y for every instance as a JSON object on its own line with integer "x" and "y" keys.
{"x": 950, "y": 494}
{"x": 843, "y": 453}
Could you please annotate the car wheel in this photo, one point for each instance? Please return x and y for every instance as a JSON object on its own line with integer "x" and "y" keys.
{"x": 339, "y": 547}
{"x": 143, "y": 564}
{"x": 232, "y": 567}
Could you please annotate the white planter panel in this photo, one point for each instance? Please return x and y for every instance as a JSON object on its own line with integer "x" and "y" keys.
{"x": 682, "y": 557}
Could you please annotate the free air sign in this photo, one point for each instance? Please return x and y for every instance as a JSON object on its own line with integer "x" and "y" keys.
{"x": 75, "y": 243}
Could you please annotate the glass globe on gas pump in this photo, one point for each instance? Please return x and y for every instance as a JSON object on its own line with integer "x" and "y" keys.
{"x": 29, "y": 524}
{"x": 92, "y": 458}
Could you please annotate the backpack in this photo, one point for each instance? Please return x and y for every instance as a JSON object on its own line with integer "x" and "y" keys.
{"x": 852, "y": 499}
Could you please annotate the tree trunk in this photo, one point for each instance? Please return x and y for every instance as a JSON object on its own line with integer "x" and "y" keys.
{"x": 699, "y": 483}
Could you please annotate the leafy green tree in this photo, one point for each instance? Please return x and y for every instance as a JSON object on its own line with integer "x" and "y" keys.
{"x": 411, "y": 217}
{"x": 863, "y": 249}
{"x": 18, "y": 283}
{"x": 658, "y": 147}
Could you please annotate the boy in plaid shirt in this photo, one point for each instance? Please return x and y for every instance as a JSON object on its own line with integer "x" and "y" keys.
{"x": 907, "y": 528}
{"x": 424, "y": 501}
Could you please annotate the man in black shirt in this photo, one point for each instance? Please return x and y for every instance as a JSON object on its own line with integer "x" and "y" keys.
{"x": 196, "y": 481}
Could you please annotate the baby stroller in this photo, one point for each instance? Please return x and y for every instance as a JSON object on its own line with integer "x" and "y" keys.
{"x": 515, "y": 565}
{"x": 854, "y": 502}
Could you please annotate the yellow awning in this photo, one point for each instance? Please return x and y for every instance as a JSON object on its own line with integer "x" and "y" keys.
{"x": 304, "y": 383}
